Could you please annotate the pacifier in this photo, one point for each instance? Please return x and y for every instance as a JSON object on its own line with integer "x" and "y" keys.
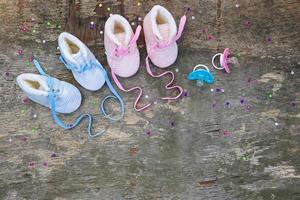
{"x": 202, "y": 76}
{"x": 224, "y": 60}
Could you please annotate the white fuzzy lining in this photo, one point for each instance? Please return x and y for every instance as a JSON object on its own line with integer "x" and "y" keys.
{"x": 110, "y": 26}
{"x": 27, "y": 87}
{"x": 167, "y": 16}
{"x": 65, "y": 49}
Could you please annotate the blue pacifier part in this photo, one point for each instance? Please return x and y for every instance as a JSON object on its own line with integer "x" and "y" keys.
{"x": 202, "y": 76}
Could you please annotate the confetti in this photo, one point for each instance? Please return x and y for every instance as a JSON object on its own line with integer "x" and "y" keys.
{"x": 148, "y": 133}
{"x": 44, "y": 41}
{"x": 203, "y": 30}
{"x": 237, "y": 5}
{"x": 108, "y": 9}
{"x": 193, "y": 17}
{"x": 34, "y": 130}
{"x": 53, "y": 155}
{"x": 248, "y": 107}
{"x": 139, "y": 3}
{"x": 270, "y": 95}
{"x": 8, "y": 76}
{"x": 242, "y": 100}
{"x": 210, "y": 37}
{"x": 49, "y": 23}
{"x": 20, "y": 52}
{"x": 292, "y": 72}
{"x": 146, "y": 96}
{"x": 185, "y": 93}
{"x": 9, "y": 140}
{"x": 31, "y": 165}
{"x": 45, "y": 164}
{"x": 26, "y": 101}
{"x": 172, "y": 123}
{"x": 92, "y": 25}
{"x": 100, "y": 5}
{"x": 244, "y": 158}
{"x": 23, "y": 29}
{"x": 132, "y": 23}
{"x": 226, "y": 133}
{"x": 227, "y": 104}
{"x": 269, "y": 39}
{"x": 176, "y": 70}
{"x": 293, "y": 103}
{"x": 101, "y": 32}
{"x": 276, "y": 124}
{"x": 140, "y": 19}
{"x": 248, "y": 24}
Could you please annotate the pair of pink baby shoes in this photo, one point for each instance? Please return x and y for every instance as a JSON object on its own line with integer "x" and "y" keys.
{"x": 122, "y": 53}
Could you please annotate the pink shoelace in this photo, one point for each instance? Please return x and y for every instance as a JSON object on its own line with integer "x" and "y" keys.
{"x": 123, "y": 51}
{"x": 161, "y": 46}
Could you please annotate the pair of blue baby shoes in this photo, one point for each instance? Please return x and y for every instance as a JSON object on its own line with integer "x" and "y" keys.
{"x": 63, "y": 97}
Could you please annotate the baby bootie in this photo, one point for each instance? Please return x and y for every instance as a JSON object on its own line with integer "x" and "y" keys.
{"x": 57, "y": 95}
{"x": 122, "y": 53}
{"x": 161, "y": 35}
{"x": 86, "y": 69}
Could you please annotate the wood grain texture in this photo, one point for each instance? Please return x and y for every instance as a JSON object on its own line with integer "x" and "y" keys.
{"x": 208, "y": 145}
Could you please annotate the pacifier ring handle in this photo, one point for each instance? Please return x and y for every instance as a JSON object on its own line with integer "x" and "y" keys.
{"x": 201, "y": 66}
{"x": 213, "y": 61}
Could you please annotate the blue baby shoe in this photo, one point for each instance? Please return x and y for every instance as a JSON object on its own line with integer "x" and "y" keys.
{"x": 59, "y": 96}
{"x": 86, "y": 69}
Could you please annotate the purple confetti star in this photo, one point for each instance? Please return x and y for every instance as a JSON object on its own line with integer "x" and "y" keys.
{"x": 293, "y": 103}
{"x": 31, "y": 165}
{"x": 53, "y": 155}
{"x": 227, "y": 103}
{"x": 210, "y": 37}
{"x": 185, "y": 94}
{"x": 148, "y": 133}
{"x": 172, "y": 123}
{"x": 248, "y": 24}
{"x": 269, "y": 39}
{"x": 8, "y": 76}
{"x": 45, "y": 164}
{"x": 226, "y": 133}
{"x": 242, "y": 101}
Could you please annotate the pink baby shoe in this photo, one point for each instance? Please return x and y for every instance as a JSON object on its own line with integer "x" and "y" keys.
{"x": 122, "y": 53}
{"x": 161, "y": 35}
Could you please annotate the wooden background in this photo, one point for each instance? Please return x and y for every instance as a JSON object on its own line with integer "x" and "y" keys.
{"x": 242, "y": 143}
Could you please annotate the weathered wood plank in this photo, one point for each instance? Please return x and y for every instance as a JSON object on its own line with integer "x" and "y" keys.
{"x": 242, "y": 143}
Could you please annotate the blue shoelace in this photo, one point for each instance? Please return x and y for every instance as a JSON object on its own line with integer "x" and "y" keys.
{"x": 116, "y": 96}
{"x": 51, "y": 97}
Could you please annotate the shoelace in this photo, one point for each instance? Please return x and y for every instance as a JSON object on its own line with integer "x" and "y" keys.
{"x": 123, "y": 51}
{"x": 164, "y": 45}
{"x": 116, "y": 96}
{"x": 51, "y": 97}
